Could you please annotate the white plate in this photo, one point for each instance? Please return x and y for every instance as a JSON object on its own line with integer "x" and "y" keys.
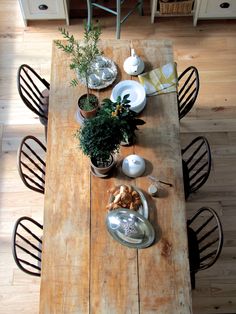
{"x": 136, "y": 91}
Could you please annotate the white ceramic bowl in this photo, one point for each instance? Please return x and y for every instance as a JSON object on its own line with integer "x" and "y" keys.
{"x": 135, "y": 90}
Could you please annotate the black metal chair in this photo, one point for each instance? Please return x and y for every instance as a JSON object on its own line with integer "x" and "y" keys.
{"x": 188, "y": 88}
{"x": 196, "y": 161}
{"x": 117, "y": 12}
{"x": 34, "y": 91}
{"x": 205, "y": 240}
{"x": 31, "y": 163}
{"x": 27, "y": 245}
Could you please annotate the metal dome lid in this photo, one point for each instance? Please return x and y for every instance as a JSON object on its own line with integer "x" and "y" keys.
{"x": 130, "y": 228}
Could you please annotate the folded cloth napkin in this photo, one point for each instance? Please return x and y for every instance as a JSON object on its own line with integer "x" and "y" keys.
{"x": 160, "y": 81}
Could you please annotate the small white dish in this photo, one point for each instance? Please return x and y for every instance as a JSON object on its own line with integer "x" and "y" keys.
{"x": 136, "y": 91}
{"x": 100, "y": 62}
{"x": 97, "y": 174}
{"x": 79, "y": 118}
{"x": 94, "y": 80}
{"x": 106, "y": 74}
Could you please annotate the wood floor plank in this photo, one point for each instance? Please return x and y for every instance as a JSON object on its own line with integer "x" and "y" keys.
{"x": 210, "y": 125}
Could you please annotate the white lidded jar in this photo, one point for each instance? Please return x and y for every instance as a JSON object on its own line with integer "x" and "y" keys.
{"x": 133, "y": 166}
{"x": 133, "y": 65}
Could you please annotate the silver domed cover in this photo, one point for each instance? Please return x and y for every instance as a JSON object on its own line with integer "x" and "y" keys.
{"x": 130, "y": 228}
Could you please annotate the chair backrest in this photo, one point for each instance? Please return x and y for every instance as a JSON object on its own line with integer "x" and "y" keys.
{"x": 196, "y": 158}
{"x": 34, "y": 91}
{"x": 188, "y": 88}
{"x": 207, "y": 228}
{"x": 27, "y": 245}
{"x": 31, "y": 163}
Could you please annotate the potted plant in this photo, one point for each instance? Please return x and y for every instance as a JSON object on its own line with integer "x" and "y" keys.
{"x": 99, "y": 139}
{"x": 83, "y": 54}
{"x": 126, "y": 117}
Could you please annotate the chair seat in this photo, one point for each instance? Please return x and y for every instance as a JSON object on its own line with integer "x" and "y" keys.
{"x": 196, "y": 163}
{"x": 27, "y": 245}
{"x": 188, "y": 88}
{"x": 205, "y": 240}
{"x": 34, "y": 91}
{"x": 31, "y": 163}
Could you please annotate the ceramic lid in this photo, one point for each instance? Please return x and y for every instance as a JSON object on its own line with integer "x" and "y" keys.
{"x": 133, "y": 166}
{"x": 133, "y": 65}
{"x": 133, "y": 59}
{"x": 130, "y": 228}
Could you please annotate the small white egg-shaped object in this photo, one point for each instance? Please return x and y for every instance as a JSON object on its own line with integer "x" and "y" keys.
{"x": 133, "y": 166}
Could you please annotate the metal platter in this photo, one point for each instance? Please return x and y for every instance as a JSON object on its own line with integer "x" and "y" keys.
{"x": 130, "y": 228}
{"x": 102, "y": 73}
{"x": 143, "y": 209}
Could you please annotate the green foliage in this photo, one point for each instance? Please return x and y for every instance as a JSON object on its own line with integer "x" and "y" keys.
{"x": 126, "y": 117}
{"x": 83, "y": 53}
{"x": 100, "y": 137}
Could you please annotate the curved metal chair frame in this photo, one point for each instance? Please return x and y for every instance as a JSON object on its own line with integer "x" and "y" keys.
{"x": 205, "y": 236}
{"x": 188, "y": 90}
{"x": 196, "y": 158}
{"x": 27, "y": 245}
{"x": 117, "y": 12}
{"x": 34, "y": 91}
{"x": 31, "y": 166}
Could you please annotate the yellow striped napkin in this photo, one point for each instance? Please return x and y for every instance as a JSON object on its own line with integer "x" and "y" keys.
{"x": 160, "y": 81}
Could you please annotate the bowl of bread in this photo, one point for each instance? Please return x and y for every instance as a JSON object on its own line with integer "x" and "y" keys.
{"x": 128, "y": 197}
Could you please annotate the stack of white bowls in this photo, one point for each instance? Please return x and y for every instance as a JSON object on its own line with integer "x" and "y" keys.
{"x": 136, "y": 91}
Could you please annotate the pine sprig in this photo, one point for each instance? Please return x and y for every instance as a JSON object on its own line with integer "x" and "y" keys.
{"x": 83, "y": 53}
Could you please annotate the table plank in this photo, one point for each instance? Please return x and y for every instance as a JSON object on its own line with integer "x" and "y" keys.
{"x": 84, "y": 269}
{"x": 159, "y": 143}
{"x": 114, "y": 285}
{"x": 66, "y": 240}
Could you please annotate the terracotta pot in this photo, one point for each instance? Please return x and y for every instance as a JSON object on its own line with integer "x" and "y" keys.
{"x": 85, "y": 113}
{"x": 103, "y": 170}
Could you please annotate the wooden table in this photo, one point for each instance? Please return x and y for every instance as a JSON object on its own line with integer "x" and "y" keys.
{"x": 84, "y": 269}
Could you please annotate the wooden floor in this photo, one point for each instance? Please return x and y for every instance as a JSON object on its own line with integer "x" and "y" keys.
{"x": 211, "y": 47}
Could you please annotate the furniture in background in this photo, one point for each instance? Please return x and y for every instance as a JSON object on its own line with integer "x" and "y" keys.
{"x": 27, "y": 245}
{"x": 44, "y": 10}
{"x": 199, "y": 9}
{"x": 188, "y": 88}
{"x": 116, "y": 12}
{"x": 85, "y": 269}
{"x": 171, "y": 8}
{"x": 205, "y": 240}
{"x": 196, "y": 158}
{"x": 31, "y": 163}
{"x": 214, "y": 9}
